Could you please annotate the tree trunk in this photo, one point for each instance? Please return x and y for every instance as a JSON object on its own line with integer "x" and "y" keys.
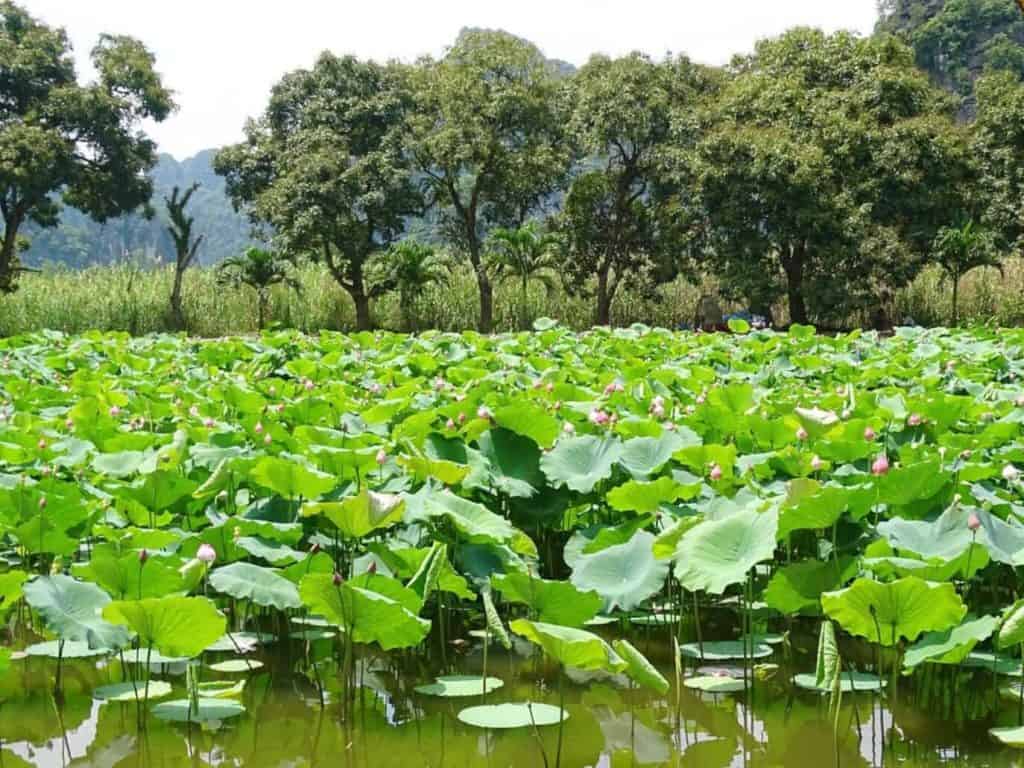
{"x": 405, "y": 310}
{"x": 956, "y": 299}
{"x": 177, "y": 313}
{"x": 793, "y": 264}
{"x": 486, "y": 300}
{"x": 9, "y": 254}
{"x": 604, "y": 298}
{"x": 362, "y": 302}
{"x": 261, "y": 308}
{"x": 524, "y": 305}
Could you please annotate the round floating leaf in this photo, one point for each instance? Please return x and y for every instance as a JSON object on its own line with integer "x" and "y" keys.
{"x": 569, "y": 646}
{"x": 723, "y": 650}
{"x": 513, "y": 715}
{"x": 312, "y": 635}
{"x": 639, "y": 668}
{"x": 263, "y": 586}
{"x": 153, "y": 657}
{"x": 860, "y": 682}
{"x": 175, "y": 626}
{"x": 460, "y": 685}
{"x": 72, "y": 610}
{"x": 236, "y": 665}
{"x": 624, "y": 575}
{"x": 715, "y": 554}
{"x": 158, "y": 689}
{"x": 581, "y": 462}
{"x": 714, "y": 683}
{"x": 204, "y": 711}
{"x": 219, "y": 689}
{"x": 240, "y": 642}
{"x": 884, "y": 613}
{"x": 73, "y": 649}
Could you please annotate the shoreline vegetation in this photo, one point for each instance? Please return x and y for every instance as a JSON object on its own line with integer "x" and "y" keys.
{"x": 133, "y": 300}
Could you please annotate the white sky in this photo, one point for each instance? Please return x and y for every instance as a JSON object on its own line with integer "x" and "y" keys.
{"x": 222, "y": 56}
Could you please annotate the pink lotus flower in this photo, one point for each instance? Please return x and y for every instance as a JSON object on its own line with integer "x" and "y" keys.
{"x": 670, "y": 426}
{"x": 114, "y": 411}
{"x": 914, "y": 420}
{"x": 880, "y": 466}
{"x": 462, "y": 418}
{"x": 450, "y": 424}
{"x": 258, "y": 429}
{"x": 338, "y": 579}
{"x": 381, "y": 457}
{"x": 143, "y": 556}
{"x": 483, "y": 412}
{"x": 658, "y": 411}
{"x": 1010, "y": 473}
{"x": 568, "y": 428}
{"x": 206, "y": 553}
{"x": 598, "y": 417}
{"x": 267, "y": 439}
{"x": 208, "y": 422}
{"x": 817, "y": 463}
{"x": 609, "y": 389}
{"x": 973, "y": 523}
{"x": 869, "y": 434}
{"x": 308, "y": 384}
{"x": 69, "y": 424}
{"x": 375, "y": 388}
{"x": 716, "y": 472}
{"x": 801, "y": 434}
{"x": 41, "y": 444}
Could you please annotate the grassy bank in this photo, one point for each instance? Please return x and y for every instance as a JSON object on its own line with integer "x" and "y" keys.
{"x": 124, "y": 298}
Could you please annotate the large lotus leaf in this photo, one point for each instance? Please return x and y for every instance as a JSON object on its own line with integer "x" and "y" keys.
{"x": 124, "y": 577}
{"x": 273, "y": 552}
{"x": 72, "y": 610}
{"x": 11, "y": 584}
{"x": 513, "y": 463}
{"x": 581, "y": 462}
{"x": 473, "y": 521}
{"x": 200, "y": 711}
{"x": 639, "y": 668}
{"x": 624, "y": 575}
{"x": 798, "y": 587}
{"x": 648, "y": 496}
{"x": 291, "y": 479}
{"x": 700, "y": 458}
{"x": 530, "y": 421}
{"x": 1011, "y": 631}
{"x": 607, "y": 536}
{"x": 370, "y": 616}
{"x": 160, "y": 490}
{"x": 1004, "y": 540}
{"x": 423, "y": 468}
{"x": 810, "y": 506}
{"x": 913, "y": 482}
{"x": 718, "y": 553}
{"x": 885, "y": 613}
{"x": 262, "y": 586}
{"x": 951, "y": 646}
{"x": 643, "y": 456}
{"x": 570, "y": 647}
{"x": 174, "y": 626}
{"x": 552, "y": 602}
{"x": 512, "y": 715}
{"x": 404, "y": 562}
{"x": 360, "y": 515}
{"x": 946, "y": 537}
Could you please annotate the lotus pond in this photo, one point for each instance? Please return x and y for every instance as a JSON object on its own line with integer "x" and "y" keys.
{"x": 628, "y": 547}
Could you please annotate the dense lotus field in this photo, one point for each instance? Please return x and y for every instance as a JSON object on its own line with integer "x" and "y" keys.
{"x": 734, "y": 517}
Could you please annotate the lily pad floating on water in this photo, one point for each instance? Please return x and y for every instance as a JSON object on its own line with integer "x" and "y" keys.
{"x": 714, "y": 683}
{"x": 460, "y": 685}
{"x": 132, "y": 691}
{"x": 155, "y": 658}
{"x": 73, "y": 649}
{"x": 512, "y": 715}
{"x": 724, "y": 650}
{"x": 236, "y": 665}
{"x": 311, "y": 635}
{"x": 862, "y": 682}
{"x": 240, "y": 642}
{"x": 202, "y": 711}
{"x": 221, "y": 689}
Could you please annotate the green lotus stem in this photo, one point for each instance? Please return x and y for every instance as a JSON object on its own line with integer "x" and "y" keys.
{"x": 696, "y": 621}
{"x": 483, "y": 682}
{"x": 561, "y": 715}
{"x": 1020, "y": 696}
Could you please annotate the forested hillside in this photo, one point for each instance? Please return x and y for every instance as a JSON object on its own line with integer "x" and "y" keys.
{"x": 79, "y": 241}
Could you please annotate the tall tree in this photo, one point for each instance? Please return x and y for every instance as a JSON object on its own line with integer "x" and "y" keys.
{"x": 260, "y": 270}
{"x": 832, "y": 164}
{"x": 617, "y": 215}
{"x": 998, "y": 145}
{"x": 409, "y": 267}
{"x": 186, "y": 247}
{"x": 326, "y": 169}
{"x": 488, "y": 141}
{"x": 525, "y": 255}
{"x": 61, "y": 140}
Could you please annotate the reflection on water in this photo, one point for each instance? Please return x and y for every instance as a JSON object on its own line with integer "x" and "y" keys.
{"x": 610, "y": 725}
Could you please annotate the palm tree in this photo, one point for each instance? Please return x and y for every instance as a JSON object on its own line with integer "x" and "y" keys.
{"x": 958, "y": 250}
{"x": 260, "y": 270}
{"x": 408, "y": 267}
{"x": 525, "y": 254}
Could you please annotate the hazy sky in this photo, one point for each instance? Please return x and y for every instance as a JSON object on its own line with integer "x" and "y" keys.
{"x": 222, "y": 56}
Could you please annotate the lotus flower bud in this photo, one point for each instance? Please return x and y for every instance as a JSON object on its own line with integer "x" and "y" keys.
{"x": 41, "y": 444}
{"x": 973, "y": 523}
{"x": 338, "y": 579}
{"x": 817, "y": 463}
{"x": 143, "y": 556}
{"x": 258, "y": 429}
{"x": 1019, "y": 401}
{"x": 462, "y": 417}
{"x": 568, "y": 428}
{"x": 658, "y": 411}
{"x": 381, "y": 457}
{"x": 914, "y": 420}
{"x": 267, "y": 439}
{"x": 42, "y": 503}
{"x": 801, "y": 434}
{"x": 69, "y": 424}
{"x": 450, "y": 424}
{"x": 372, "y": 568}
{"x": 537, "y": 383}
{"x": 206, "y": 554}
{"x": 1010, "y": 473}
{"x": 869, "y": 434}
{"x": 483, "y": 412}
{"x": 208, "y": 422}
{"x": 880, "y": 466}
{"x": 550, "y": 387}
{"x": 308, "y": 385}
{"x": 114, "y": 411}
{"x": 715, "y": 473}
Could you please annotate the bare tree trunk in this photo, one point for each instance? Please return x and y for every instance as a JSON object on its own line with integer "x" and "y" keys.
{"x": 9, "y": 254}
{"x": 604, "y": 298}
{"x": 261, "y": 308}
{"x": 793, "y": 265}
{"x": 486, "y": 290}
{"x": 362, "y": 302}
{"x": 177, "y": 313}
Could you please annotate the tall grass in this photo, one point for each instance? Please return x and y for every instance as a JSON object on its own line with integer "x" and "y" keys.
{"x": 127, "y": 298}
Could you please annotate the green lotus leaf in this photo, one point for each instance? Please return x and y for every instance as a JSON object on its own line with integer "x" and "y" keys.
{"x": 124, "y": 577}
{"x": 724, "y": 650}
{"x": 1011, "y": 629}
{"x": 798, "y": 587}
{"x": 715, "y": 683}
{"x": 72, "y": 610}
{"x": 71, "y": 649}
{"x": 849, "y": 682}
{"x": 11, "y": 583}
{"x": 512, "y": 715}
{"x": 234, "y": 666}
{"x": 137, "y": 691}
{"x": 644, "y": 456}
{"x": 512, "y": 463}
{"x": 530, "y": 421}
{"x": 950, "y": 646}
{"x": 551, "y": 602}
{"x": 716, "y": 554}
{"x": 570, "y": 647}
{"x": 175, "y": 626}
{"x": 903, "y": 609}
{"x": 274, "y": 552}
{"x": 291, "y": 479}
{"x": 580, "y": 463}
{"x": 643, "y": 496}
{"x": 263, "y": 586}
{"x": 473, "y": 521}
{"x": 370, "y": 616}
{"x": 201, "y": 711}
{"x": 624, "y": 575}
{"x": 360, "y": 515}
{"x": 639, "y": 668}
{"x": 457, "y": 686}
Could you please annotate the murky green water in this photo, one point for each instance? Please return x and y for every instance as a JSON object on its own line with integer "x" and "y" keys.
{"x": 610, "y": 724}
